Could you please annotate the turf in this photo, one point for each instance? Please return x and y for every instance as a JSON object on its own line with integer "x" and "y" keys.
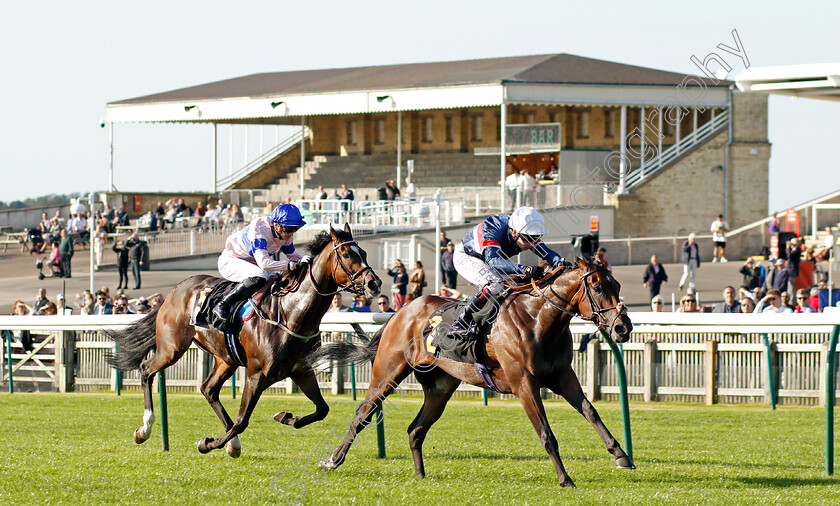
{"x": 78, "y": 448}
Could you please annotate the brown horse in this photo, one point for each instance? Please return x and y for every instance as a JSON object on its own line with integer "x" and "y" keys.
{"x": 275, "y": 344}
{"x": 529, "y": 347}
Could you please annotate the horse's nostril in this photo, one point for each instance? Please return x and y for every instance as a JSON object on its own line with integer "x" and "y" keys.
{"x": 620, "y": 330}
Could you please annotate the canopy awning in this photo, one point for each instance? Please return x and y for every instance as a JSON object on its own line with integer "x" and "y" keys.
{"x": 820, "y": 81}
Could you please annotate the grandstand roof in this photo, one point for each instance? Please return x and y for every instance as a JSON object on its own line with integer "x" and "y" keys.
{"x": 820, "y": 81}
{"x": 416, "y": 86}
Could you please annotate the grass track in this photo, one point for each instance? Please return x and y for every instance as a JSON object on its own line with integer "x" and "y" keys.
{"x": 78, "y": 448}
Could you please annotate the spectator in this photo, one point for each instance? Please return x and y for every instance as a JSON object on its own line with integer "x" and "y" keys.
{"x": 142, "y": 306}
{"x": 61, "y": 306}
{"x": 200, "y": 211}
{"x": 400, "y": 283}
{"x": 23, "y": 336}
{"x": 654, "y": 277}
{"x": 102, "y": 305}
{"x": 155, "y": 300}
{"x": 39, "y": 301}
{"x": 688, "y": 304}
{"x": 729, "y": 304}
{"x": 690, "y": 259}
{"x": 802, "y": 305}
{"x": 66, "y": 251}
{"x": 447, "y": 265}
{"x": 44, "y": 224}
{"x": 54, "y": 262}
{"x": 444, "y": 241}
{"x": 48, "y": 309}
{"x": 321, "y": 195}
{"x": 416, "y": 282}
{"x": 529, "y": 188}
{"x": 747, "y": 305}
{"x": 599, "y": 257}
{"x": 121, "y": 218}
{"x": 512, "y": 185}
{"x": 780, "y": 277}
{"x": 347, "y": 193}
{"x": 410, "y": 189}
{"x": 336, "y": 304}
{"x": 772, "y": 303}
{"x": 752, "y": 273}
{"x": 451, "y": 293}
{"x": 121, "y": 249}
{"x": 657, "y": 304}
{"x": 774, "y": 225}
{"x": 794, "y": 254}
{"x": 384, "y": 305}
{"x": 814, "y": 299}
{"x": 786, "y": 301}
{"x": 135, "y": 257}
{"x": 121, "y": 306}
{"x": 360, "y": 304}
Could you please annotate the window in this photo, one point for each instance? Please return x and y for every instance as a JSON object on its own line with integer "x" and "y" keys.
{"x": 351, "y": 132}
{"x": 427, "y": 129}
{"x": 609, "y": 123}
{"x": 450, "y": 129}
{"x": 583, "y": 125}
{"x": 530, "y": 118}
{"x": 477, "y": 127}
{"x": 380, "y": 131}
{"x": 554, "y": 117}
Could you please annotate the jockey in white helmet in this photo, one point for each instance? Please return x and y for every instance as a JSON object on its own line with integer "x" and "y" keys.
{"x": 483, "y": 259}
{"x": 247, "y": 257}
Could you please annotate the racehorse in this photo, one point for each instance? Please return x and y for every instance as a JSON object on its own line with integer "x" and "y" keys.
{"x": 529, "y": 347}
{"x": 274, "y": 344}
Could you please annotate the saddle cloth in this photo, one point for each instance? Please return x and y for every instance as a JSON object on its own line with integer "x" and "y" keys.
{"x": 439, "y": 343}
{"x": 240, "y": 311}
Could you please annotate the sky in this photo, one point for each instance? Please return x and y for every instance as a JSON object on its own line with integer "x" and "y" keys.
{"x": 61, "y": 62}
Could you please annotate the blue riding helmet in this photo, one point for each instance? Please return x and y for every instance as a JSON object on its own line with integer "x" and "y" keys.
{"x": 287, "y": 215}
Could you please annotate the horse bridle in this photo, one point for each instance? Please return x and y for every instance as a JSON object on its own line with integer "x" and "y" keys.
{"x": 354, "y": 287}
{"x": 597, "y": 316}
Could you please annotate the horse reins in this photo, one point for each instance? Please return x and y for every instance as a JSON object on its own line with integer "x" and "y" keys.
{"x": 357, "y": 288}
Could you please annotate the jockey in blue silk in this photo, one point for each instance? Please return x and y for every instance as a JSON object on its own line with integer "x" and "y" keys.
{"x": 484, "y": 259}
{"x": 247, "y": 257}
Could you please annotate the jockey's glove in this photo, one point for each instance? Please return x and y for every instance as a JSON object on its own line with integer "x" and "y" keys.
{"x": 533, "y": 272}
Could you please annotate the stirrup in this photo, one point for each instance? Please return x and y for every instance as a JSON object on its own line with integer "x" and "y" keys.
{"x": 462, "y": 331}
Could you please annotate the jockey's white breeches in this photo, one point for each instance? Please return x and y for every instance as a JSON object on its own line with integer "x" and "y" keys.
{"x": 236, "y": 269}
{"x": 473, "y": 269}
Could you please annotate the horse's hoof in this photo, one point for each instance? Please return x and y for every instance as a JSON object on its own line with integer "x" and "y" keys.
{"x": 329, "y": 465}
{"x": 138, "y": 437}
{"x": 624, "y": 463}
{"x": 234, "y": 447}
{"x": 568, "y": 483}
{"x": 202, "y": 445}
{"x": 285, "y": 418}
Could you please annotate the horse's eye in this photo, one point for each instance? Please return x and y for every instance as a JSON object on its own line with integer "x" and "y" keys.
{"x": 597, "y": 288}
{"x": 345, "y": 256}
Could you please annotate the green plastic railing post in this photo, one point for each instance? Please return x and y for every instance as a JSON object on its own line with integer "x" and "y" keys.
{"x": 164, "y": 419}
{"x": 9, "y": 360}
{"x": 233, "y": 385}
{"x": 771, "y": 381}
{"x": 380, "y": 431}
{"x": 829, "y": 402}
{"x": 622, "y": 383}
{"x": 118, "y": 379}
{"x": 484, "y": 395}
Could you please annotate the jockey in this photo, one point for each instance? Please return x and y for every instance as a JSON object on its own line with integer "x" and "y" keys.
{"x": 247, "y": 257}
{"x": 483, "y": 259}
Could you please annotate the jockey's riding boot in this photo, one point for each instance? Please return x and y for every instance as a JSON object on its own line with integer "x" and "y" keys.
{"x": 243, "y": 290}
{"x": 463, "y": 326}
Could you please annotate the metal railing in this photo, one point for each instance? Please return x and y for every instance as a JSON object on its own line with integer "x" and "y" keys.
{"x": 654, "y": 165}
{"x": 290, "y": 142}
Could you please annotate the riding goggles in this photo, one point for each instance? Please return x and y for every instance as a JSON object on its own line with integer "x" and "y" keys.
{"x": 531, "y": 239}
{"x": 289, "y": 230}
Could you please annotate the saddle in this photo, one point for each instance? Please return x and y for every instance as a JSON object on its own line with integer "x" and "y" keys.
{"x": 240, "y": 312}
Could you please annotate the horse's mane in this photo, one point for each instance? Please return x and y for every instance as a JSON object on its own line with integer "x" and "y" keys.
{"x": 323, "y": 238}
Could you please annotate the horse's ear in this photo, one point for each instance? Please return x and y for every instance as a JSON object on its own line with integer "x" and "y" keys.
{"x": 332, "y": 231}
{"x": 347, "y": 228}
{"x": 582, "y": 263}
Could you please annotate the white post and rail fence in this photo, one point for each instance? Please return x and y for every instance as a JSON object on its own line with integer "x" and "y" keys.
{"x": 701, "y": 358}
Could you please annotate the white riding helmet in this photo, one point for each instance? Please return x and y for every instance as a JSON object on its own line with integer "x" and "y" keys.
{"x": 528, "y": 221}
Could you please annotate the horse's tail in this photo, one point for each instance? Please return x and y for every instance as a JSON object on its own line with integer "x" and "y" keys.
{"x": 346, "y": 353}
{"x": 133, "y": 343}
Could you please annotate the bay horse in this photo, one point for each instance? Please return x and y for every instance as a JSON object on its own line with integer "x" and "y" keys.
{"x": 529, "y": 347}
{"x": 275, "y": 343}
